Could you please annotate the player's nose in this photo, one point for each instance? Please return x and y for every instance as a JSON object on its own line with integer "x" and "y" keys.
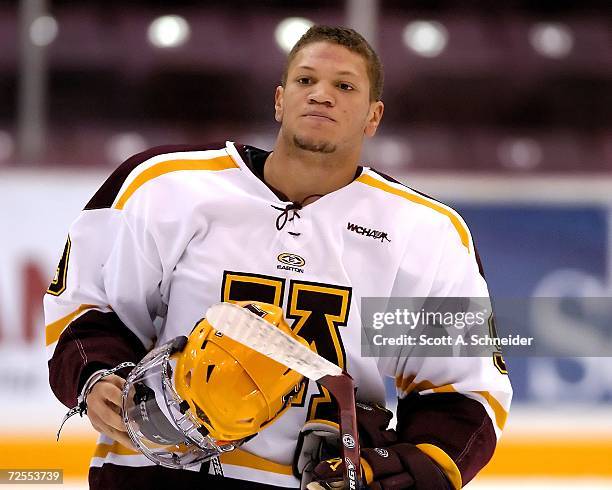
{"x": 321, "y": 94}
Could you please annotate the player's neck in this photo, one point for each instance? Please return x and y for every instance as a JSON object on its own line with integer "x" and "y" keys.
{"x": 300, "y": 174}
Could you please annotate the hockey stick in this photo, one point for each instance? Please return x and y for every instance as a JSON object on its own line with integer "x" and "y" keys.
{"x": 253, "y": 331}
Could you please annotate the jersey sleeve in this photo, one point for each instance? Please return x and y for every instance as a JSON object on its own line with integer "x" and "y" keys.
{"x": 452, "y": 408}
{"x": 101, "y": 307}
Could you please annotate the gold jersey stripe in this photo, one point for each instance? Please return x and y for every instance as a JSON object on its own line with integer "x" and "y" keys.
{"x": 407, "y": 385}
{"x": 239, "y": 457}
{"x": 457, "y": 223}
{"x": 103, "y": 450}
{"x": 55, "y": 329}
{"x": 333, "y": 425}
{"x": 500, "y": 414}
{"x": 445, "y": 462}
{"x": 445, "y": 389}
{"x": 218, "y": 163}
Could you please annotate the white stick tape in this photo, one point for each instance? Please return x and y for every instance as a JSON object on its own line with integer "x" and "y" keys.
{"x": 247, "y": 328}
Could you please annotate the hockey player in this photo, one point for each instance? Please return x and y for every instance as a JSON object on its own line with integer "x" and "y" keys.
{"x": 305, "y": 227}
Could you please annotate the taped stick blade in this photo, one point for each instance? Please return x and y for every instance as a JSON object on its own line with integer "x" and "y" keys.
{"x": 247, "y": 328}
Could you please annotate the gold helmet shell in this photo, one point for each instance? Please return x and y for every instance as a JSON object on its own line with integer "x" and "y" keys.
{"x": 231, "y": 389}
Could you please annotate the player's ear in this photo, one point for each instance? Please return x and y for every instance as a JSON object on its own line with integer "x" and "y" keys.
{"x": 278, "y": 103}
{"x": 374, "y": 116}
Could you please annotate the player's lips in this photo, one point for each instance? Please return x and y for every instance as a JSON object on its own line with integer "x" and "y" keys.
{"x": 319, "y": 115}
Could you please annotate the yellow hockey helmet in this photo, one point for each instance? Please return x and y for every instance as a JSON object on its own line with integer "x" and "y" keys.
{"x": 231, "y": 389}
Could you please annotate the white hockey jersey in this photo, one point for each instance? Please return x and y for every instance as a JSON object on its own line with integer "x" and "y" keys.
{"x": 174, "y": 231}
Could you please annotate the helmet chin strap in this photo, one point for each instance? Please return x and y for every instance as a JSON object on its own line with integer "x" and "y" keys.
{"x": 152, "y": 422}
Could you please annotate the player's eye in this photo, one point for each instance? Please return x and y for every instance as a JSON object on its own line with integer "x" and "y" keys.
{"x": 304, "y": 80}
{"x": 346, "y": 86}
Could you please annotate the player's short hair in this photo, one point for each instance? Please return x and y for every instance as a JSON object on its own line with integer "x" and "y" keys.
{"x": 351, "y": 40}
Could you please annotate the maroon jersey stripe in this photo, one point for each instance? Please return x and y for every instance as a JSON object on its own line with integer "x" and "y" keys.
{"x": 93, "y": 341}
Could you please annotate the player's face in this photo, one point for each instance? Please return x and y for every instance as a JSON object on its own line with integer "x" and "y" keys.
{"x": 325, "y": 104}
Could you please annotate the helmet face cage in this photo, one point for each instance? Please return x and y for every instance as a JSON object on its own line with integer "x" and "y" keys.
{"x": 158, "y": 421}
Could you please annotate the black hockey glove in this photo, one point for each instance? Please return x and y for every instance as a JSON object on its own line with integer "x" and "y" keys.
{"x": 400, "y": 466}
{"x": 387, "y": 464}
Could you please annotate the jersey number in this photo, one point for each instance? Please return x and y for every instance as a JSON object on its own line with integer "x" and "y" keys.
{"x": 58, "y": 285}
{"x": 498, "y": 358}
{"x": 318, "y": 312}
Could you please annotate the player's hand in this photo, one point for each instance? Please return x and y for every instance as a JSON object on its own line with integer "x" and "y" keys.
{"x": 104, "y": 409}
{"x": 401, "y": 466}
